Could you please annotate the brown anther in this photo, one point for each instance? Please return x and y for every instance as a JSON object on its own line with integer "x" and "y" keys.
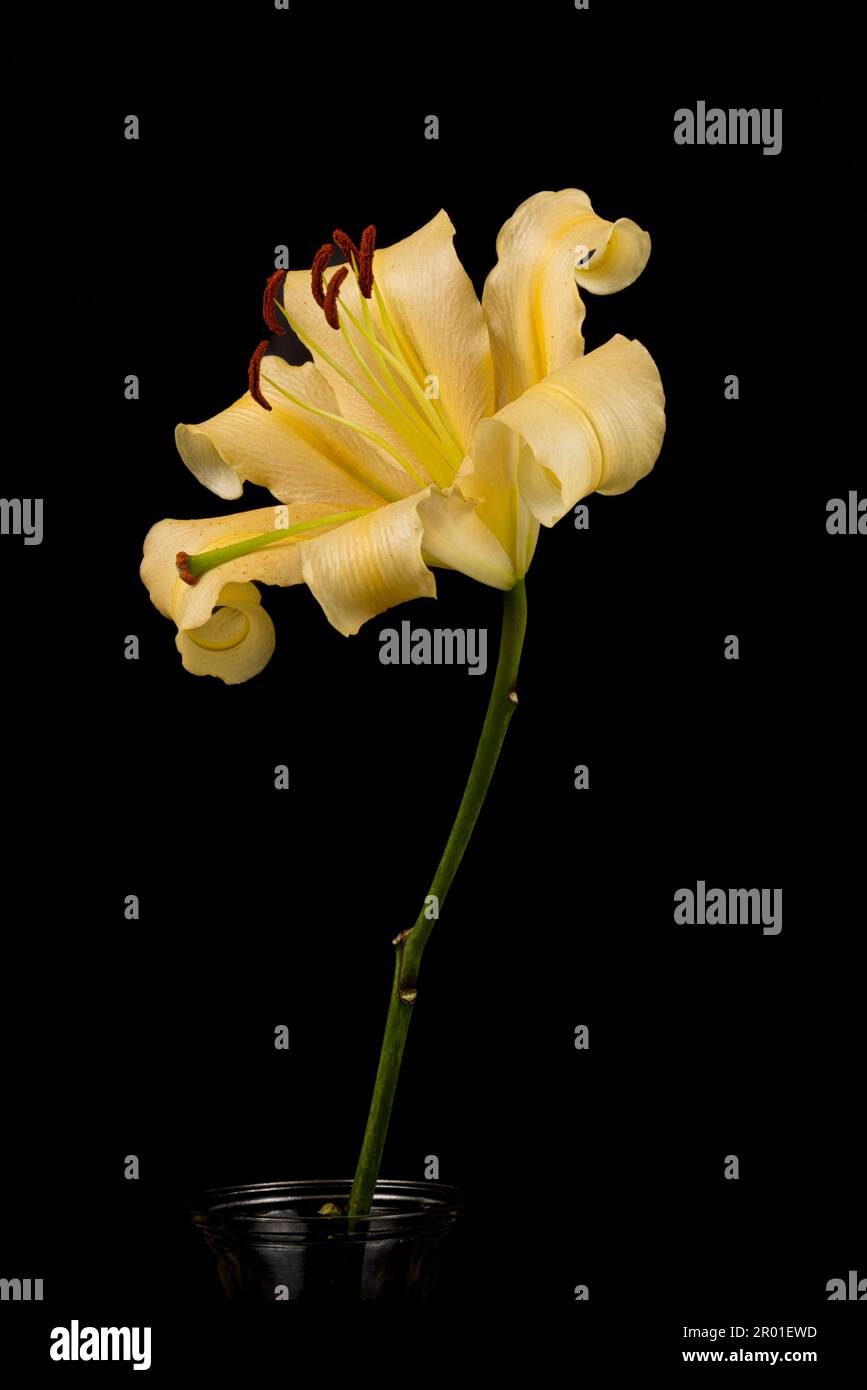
{"x": 253, "y": 374}
{"x": 347, "y": 246}
{"x": 330, "y": 305}
{"x": 365, "y": 264}
{"x": 182, "y": 560}
{"x": 320, "y": 261}
{"x": 269, "y": 300}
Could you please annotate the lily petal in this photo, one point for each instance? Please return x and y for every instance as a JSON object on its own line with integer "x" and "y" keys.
{"x": 595, "y": 425}
{"x": 439, "y": 322}
{"x": 190, "y": 605}
{"x": 355, "y": 569}
{"x": 490, "y": 478}
{"x": 236, "y": 643}
{"x": 298, "y": 456}
{"x": 456, "y": 537}
{"x": 365, "y": 566}
{"x": 531, "y": 301}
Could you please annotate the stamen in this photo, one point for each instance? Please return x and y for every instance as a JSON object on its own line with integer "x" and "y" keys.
{"x": 358, "y": 429}
{"x": 330, "y": 305}
{"x": 365, "y": 264}
{"x": 182, "y": 560}
{"x": 451, "y": 449}
{"x": 347, "y": 246}
{"x": 411, "y": 430}
{"x": 361, "y": 260}
{"x": 253, "y": 374}
{"x": 320, "y": 261}
{"x": 341, "y": 371}
{"x": 412, "y": 417}
{"x": 268, "y": 301}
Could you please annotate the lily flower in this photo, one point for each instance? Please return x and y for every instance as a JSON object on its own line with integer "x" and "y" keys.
{"x": 429, "y": 430}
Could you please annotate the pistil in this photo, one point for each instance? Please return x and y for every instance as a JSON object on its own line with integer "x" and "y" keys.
{"x": 192, "y": 567}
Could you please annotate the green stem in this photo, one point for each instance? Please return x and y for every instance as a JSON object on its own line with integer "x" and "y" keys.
{"x": 410, "y": 944}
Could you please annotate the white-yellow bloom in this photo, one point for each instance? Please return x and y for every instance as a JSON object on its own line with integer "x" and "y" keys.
{"x": 428, "y": 430}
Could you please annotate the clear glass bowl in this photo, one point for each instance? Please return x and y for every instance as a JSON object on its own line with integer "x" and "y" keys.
{"x": 270, "y": 1241}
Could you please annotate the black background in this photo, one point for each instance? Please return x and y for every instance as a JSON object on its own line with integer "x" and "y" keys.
{"x": 261, "y": 907}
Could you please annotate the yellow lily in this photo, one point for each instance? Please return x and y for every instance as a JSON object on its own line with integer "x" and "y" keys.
{"x": 429, "y": 430}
